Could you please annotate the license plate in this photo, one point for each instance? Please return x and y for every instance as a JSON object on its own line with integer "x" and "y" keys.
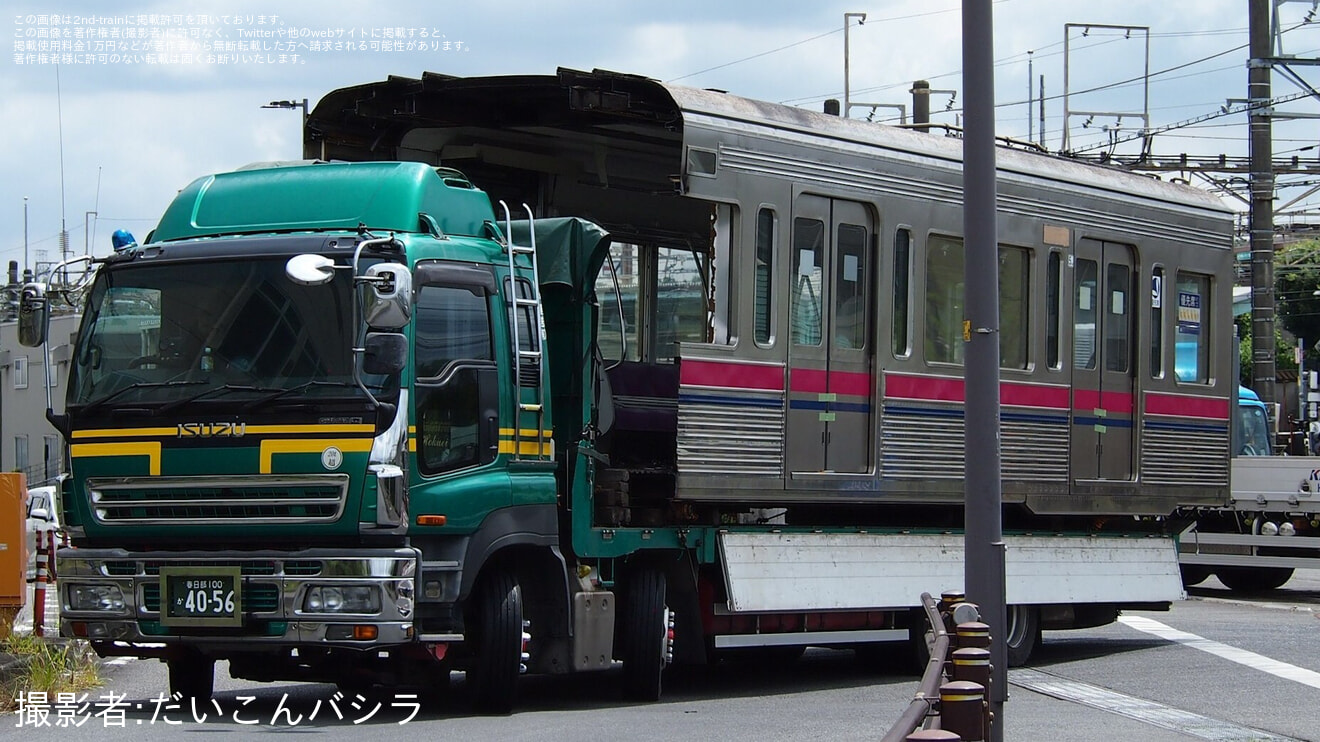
{"x": 201, "y": 596}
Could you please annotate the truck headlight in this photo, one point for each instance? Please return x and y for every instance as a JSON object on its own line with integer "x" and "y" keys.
{"x": 95, "y": 598}
{"x": 342, "y": 599}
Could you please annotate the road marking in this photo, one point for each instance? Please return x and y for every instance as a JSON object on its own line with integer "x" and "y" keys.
{"x": 1140, "y": 709}
{"x": 1232, "y": 654}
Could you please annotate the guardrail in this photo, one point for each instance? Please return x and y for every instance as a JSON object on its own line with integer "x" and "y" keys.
{"x": 950, "y": 703}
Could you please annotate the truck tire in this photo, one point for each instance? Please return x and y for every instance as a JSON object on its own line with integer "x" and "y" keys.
{"x": 1023, "y": 633}
{"x": 1253, "y": 579}
{"x": 192, "y": 674}
{"x": 644, "y": 636}
{"x": 496, "y": 628}
{"x": 1194, "y": 574}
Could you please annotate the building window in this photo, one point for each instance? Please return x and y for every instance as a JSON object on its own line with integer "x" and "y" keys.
{"x": 21, "y": 453}
{"x": 52, "y": 456}
{"x": 20, "y": 372}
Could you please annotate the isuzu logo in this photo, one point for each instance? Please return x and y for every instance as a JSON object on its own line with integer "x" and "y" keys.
{"x": 212, "y": 430}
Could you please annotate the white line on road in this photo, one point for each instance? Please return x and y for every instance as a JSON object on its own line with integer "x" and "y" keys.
{"x": 1141, "y": 709}
{"x": 1233, "y": 654}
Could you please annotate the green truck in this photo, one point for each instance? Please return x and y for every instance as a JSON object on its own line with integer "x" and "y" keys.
{"x": 350, "y": 422}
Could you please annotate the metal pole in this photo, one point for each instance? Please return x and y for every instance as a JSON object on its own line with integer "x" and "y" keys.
{"x": 1066, "y": 42}
{"x": 1042, "y": 110}
{"x": 25, "y": 236}
{"x": 861, "y": 18}
{"x": 845, "y": 66}
{"x": 983, "y": 570}
{"x": 1262, "y": 205}
{"x": 87, "y": 234}
{"x": 1031, "y": 135}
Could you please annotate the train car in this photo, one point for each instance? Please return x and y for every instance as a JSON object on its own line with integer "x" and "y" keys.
{"x": 782, "y": 324}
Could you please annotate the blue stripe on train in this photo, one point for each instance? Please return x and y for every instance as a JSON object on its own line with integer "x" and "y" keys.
{"x": 723, "y": 401}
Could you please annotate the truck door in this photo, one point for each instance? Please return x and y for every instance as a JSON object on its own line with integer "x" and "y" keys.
{"x": 830, "y": 348}
{"x": 1103, "y": 361}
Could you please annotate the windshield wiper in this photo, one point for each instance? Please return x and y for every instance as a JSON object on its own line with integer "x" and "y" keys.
{"x": 215, "y": 391}
{"x": 277, "y": 393}
{"x": 135, "y": 385}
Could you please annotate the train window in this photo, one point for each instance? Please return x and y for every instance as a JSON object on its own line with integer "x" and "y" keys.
{"x": 1192, "y": 336}
{"x": 765, "y": 271}
{"x": 1014, "y": 303}
{"x": 680, "y": 301}
{"x": 1086, "y": 284}
{"x": 902, "y": 293}
{"x": 945, "y": 290}
{"x": 850, "y": 284}
{"x": 1118, "y": 321}
{"x": 1157, "y": 323}
{"x": 808, "y": 254}
{"x": 1053, "y": 309}
{"x": 944, "y": 300}
{"x": 617, "y": 290}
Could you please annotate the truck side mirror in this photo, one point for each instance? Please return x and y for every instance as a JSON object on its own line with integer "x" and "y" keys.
{"x": 385, "y": 353}
{"x": 33, "y": 315}
{"x": 389, "y": 296}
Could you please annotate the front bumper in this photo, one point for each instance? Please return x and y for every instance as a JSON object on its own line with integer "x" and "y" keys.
{"x": 274, "y": 612}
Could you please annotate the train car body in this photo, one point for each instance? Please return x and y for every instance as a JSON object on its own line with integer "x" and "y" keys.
{"x": 820, "y": 360}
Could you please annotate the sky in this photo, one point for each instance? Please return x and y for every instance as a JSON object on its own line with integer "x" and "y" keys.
{"x": 139, "y": 98}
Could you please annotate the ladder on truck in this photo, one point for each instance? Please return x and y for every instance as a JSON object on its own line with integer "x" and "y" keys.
{"x": 529, "y": 357}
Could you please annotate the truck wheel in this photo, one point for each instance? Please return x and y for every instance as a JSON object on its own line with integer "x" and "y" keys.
{"x": 192, "y": 675}
{"x": 644, "y": 637}
{"x": 1253, "y": 579}
{"x": 496, "y": 628}
{"x": 1023, "y": 633}
{"x": 1194, "y": 574}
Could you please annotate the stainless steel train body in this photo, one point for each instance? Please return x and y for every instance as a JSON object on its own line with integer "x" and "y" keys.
{"x": 789, "y": 286}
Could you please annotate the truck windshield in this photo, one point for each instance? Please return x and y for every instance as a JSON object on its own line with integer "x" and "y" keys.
{"x": 223, "y": 331}
{"x": 1252, "y": 434}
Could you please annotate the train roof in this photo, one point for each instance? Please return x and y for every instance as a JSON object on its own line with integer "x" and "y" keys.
{"x": 372, "y": 121}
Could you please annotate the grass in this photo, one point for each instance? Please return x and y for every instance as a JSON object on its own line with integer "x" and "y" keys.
{"x": 53, "y": 666}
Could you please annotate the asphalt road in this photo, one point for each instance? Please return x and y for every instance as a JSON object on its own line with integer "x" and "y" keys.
{"x": 1217, "y": 666}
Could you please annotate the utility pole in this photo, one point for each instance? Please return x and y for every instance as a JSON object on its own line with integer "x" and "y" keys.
{"x": 983, "y": 568}
{"x": 1262, "y": 203}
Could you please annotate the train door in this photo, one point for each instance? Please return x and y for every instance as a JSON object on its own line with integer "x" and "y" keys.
{"x": 830, "y": 344}
{"x": 1104, "y": 339}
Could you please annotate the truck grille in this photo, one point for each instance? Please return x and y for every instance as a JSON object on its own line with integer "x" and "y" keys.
{"x": 213, "y": 500}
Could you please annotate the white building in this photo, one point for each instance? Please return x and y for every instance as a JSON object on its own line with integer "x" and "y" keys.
{"x": 28, "y": 442}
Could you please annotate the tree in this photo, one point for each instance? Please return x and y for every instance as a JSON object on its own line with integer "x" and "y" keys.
{"x": 1296, "y": 285}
